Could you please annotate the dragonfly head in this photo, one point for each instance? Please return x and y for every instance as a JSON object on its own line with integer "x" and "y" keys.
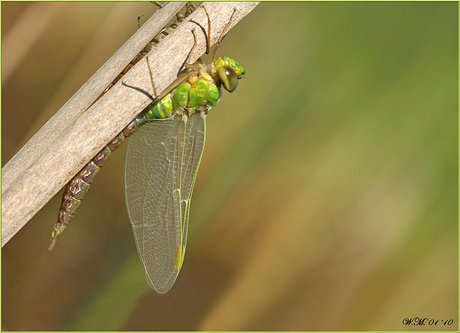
{"x": 228, "y": 72}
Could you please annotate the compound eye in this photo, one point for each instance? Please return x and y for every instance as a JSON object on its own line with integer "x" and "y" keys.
{"x": 228, "y": 78}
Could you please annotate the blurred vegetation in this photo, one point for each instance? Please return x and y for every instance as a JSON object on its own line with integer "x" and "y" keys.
{"x": 327, "y": 195}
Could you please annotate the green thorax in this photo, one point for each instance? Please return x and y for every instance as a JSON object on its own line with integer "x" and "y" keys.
{"x": 200, "y": 92}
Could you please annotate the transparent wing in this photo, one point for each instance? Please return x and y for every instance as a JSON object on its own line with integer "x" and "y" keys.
{"x": 161, "y": 167}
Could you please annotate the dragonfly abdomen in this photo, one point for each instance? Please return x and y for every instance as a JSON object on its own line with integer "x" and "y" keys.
{"x": 77, "y": 187}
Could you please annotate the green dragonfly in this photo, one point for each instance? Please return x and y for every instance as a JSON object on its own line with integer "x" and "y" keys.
{"x": 162, "y": 163}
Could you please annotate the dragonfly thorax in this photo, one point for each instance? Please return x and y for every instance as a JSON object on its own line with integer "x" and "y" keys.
{"x": 200, "y": 93}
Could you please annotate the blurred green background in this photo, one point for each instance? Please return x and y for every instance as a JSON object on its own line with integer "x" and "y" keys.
{"x": 326, "y": 198}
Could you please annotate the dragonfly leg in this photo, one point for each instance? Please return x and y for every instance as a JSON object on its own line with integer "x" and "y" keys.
{"x": 181, "y": 78}
{"x": 221, "y": 38}
{"x": 208, "y": 37}
{"x": 186, "y": 64}
{"x": 139, "y": 21}
{"x": 156, "y": 3}
{"x": 175, "y": 83}
{"x": 151, "y": 80}
{"x": 190, "y": 8}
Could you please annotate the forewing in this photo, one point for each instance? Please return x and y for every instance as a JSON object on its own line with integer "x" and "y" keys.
{"x": 152, "y": 201}
{"x": 161, "y": 166}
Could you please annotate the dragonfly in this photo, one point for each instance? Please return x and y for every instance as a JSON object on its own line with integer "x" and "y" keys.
{"x": 162, "y": 163}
